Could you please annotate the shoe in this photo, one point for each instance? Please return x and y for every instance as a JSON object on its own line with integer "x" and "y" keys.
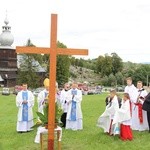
{"x": 19, "y": 131}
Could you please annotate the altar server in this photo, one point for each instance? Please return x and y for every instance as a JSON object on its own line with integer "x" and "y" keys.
{"x": 122, "y": 118}
{"x": 106, "y": 119}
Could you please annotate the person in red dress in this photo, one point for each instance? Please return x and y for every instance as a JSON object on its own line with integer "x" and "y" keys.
{"x": 123, "y": 117}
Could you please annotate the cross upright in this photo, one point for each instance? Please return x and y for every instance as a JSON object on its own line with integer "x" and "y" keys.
{"x": 53, "y": 51}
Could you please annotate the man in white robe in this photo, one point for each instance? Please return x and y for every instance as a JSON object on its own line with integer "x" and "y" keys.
{"x": 25, "y": 103}
{"x": 133, "y": 93}
{"x": 74, "y": 113}
{"x": 105, "y": 120}
{"x": 141, "y": 123}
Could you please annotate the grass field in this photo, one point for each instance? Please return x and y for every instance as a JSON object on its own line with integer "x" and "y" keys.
{"x": 90, "y": 138}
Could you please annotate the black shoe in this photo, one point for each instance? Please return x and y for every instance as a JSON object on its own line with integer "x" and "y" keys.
{"x": 20, "y": 132}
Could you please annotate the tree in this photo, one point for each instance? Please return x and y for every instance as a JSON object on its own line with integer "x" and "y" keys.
{"x": 72, "y": 61}
{"x": 89, "y": 64}
{"x": 104, "y": 65}
{"x": 28, "y": 68}
{"x": 104, "y": 81}
{"x": 99, "y": 64}
{"x": 119, "y": 78}
{"x": 142, "y": 73}
{"x": 27, "y": 72}
{"x": 107, "y": 65}
{"x": 63, "y": 64}
{"x": 128, "y": 70}
{"x": 112, "y": 80}
{"x": 117, "y": 64}
{"x": 37, "y": 57}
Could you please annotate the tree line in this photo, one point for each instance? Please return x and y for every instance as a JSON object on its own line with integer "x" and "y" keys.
{"x": 113, "y": 71}
{"x": 111, "y": 68}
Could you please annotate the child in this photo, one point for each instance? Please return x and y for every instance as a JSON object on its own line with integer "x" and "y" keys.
{"x": 123, "y": 116}
{"x": 106, "y": 119}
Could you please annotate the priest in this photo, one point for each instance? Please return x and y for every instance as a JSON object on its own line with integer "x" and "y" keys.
{"x": 25, "y": 103}
{"x": 74, "y": 113}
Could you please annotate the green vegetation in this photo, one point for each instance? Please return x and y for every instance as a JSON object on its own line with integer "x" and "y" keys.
{"x": 43, "y": 118}
{"x": 30, "y": 64}
{"x": 90, "y": 138}
{"x": 112, "y": 71}
{"x": 108, "y": 70}
{"x": 63, "y": 64}
{"x": 28, "y": 68}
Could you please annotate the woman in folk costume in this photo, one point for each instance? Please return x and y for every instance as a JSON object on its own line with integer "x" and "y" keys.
{"x": 25, "y": 103}
{"x": 74, "y": 113}
{"x": 123, "y": 117}
{"x": 140, "y": 119}
{"x": 43, "y": 96}
{"x": 106, "y": 119}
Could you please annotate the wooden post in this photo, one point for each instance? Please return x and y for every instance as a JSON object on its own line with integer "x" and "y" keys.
{"x": 52, "y": 76}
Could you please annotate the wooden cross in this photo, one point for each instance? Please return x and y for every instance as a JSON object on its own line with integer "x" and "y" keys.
{"x": 53, "y": 51}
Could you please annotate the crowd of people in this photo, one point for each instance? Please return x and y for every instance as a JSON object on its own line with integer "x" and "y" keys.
{"x": 121, "y": 115}
{"x": 69, "y": 99}
{"x": 132, "y": 114}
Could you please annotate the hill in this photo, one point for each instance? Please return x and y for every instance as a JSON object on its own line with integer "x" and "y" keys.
{"x": 81, "y": 74}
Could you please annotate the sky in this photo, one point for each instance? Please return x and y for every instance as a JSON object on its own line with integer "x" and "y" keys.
{"x": 101, "y": 26}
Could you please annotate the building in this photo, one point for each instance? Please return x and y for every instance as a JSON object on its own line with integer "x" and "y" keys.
{"x": 10, "y": 61}
{"x": 8, "y": 57}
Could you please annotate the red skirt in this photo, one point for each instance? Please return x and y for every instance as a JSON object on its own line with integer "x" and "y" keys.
{"x": 125, "y": 132}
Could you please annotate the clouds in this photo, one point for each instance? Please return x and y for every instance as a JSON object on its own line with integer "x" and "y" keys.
{"x": 120, "y": 26}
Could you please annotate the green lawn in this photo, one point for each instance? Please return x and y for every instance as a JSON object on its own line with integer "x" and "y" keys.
{"x": 91, "y": 138}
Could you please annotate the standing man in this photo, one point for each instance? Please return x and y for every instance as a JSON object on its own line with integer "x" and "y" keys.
{"x": 25, "y": 103}
{"x": 133, "y": 94}
{"x": 43, "y": 96}
{"x": 141, "y": 115}
{"x": 63, "y": 101}
{"x": 74, "y": 113}
{"x": 146, "y": 107}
